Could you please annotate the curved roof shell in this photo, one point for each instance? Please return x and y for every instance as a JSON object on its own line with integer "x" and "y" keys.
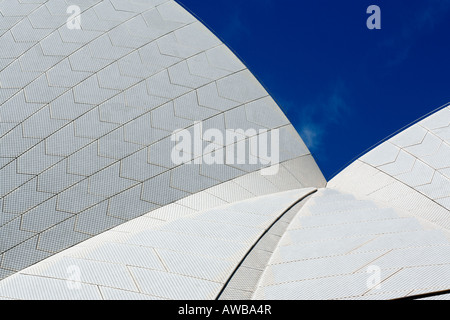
{"x": 90, "y": 198}
{"x": 409, "y": 171}
{"x": 87, "y": 114}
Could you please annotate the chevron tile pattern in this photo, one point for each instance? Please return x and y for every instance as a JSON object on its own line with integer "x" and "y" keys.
{"x": 86, "y": 118}
{"x": 335, "y": 241}
{"x": 195, "y": 252}
{"x": 410, "y": 171}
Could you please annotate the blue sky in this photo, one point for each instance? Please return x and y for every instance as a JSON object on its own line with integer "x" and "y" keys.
{"x": 344, "y": 87}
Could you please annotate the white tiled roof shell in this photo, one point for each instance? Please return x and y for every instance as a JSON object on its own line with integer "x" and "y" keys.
{"x": 189, "y": 255}
{"x": 86, "y": 117}
{"x": 387, "y": 211}
{"x": 410, "y": 171}
{"x": 342, "y": 246}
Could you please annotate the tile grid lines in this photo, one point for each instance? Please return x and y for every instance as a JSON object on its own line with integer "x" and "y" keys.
{"x": 136, "y": 283}
{"x": 161, "y": 259}
{"x": 443, "y": 142}
{"x": 367, "y": 293}
{"x": 92, "y": 284}
{"x": 354, "y": 272}
{"x": 211, "y": 237}
{"x": 301, "y": 201}
{"x": 234, "y": 224}
{"x": 194, "y": 217}
{"x": 118, "y": 161}
{"x": 120, "y": 91}
{"x": 235, "y": 53}
{"x": 171, "y": 100}
{"x": 96, "y": 73}
{"x": 386, "y": 252}
{"x": 350, "y": 237}
{"x": 24, "y": 16}
{"x": 132, "y": 186}
{"x": 412, "y": 188}
{"x": 87, "y": 282}
{"x": 39, "y": 41}
{"x": 56, "y": 30}
{"x": 381, "y": 293}
{"x": 282, "y": 164}
{"x": 404, "y": 149}
{"x": 138, "y": 182}
{"x": 415, "y": 144}
{"x": 409, "y": 187}
{"x": 447, "y": 105}
{"x": 304, "y": 156}
{"x": 100, "y": 292}
{"x": 143, "y": 146}
{"x": 346, "y": 223}
{"x": 115, "y": 95}
{"x": 143, "y": 268}
{"x": 122, "y": 159}
{"x": 39, "y": 234}
{"x": 365, "y": 243}
{"x": 358, "y": 271}
{"x": 155, "y": 249}
{"x": 410, "y": 296}
{"x": 342, "y": 211}
{"x": 24, "y": 272}
{"x": 179, "y": 274}
{"x": 359, "y": 252}
{"x": 381, "y": 187}
{"x": 370, "y": 210}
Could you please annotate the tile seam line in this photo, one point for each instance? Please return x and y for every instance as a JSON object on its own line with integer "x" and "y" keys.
{"x": 56, "y": 30}
{"x": 347, "y": 237}
{"x": 348, "y": 274}
{"x": 81, "y": 282}
{"x": 38, "y": 235}
{"x": 424, "y": 295}
{"x": 120, "y": 127}
{"x": 386, "y": 139}
{"x": 406, "y": 185}
{"x": 238, "y": 56}
{"x": 118, "y": 161}
{"x": 38, "y": 42}
{"x": 22, "y": 18}
{"x": 416, "y": 159}
{"x": 93, "y": 74}
{"x": 136, "y": 183}
{"x": 358, "y": 252}
{"x": 266, "y": 232}
{"x": 348, "y": 223}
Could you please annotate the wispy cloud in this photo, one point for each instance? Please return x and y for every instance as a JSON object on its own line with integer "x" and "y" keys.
{"x": 422, "y": 21}
{"x": 433, "y": 13}
{"x": 235, "y": 27}
{"x": 314, "y": 119}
